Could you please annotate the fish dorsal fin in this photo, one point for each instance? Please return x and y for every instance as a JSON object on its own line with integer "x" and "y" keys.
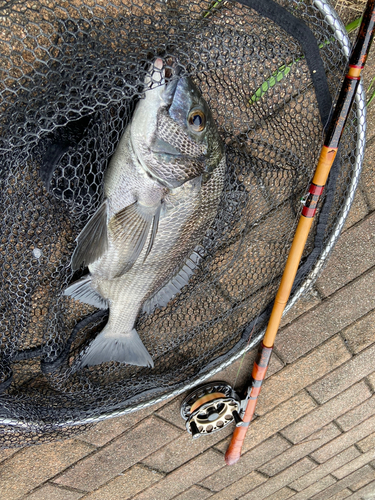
{"x": 92, "y": 242}
{"x": 174, "y": 285}
{"x": 131, "y": 227}
{"x": 83, "y": 291}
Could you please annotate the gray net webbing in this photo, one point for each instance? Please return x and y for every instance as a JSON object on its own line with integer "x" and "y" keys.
{"x": 71, "y": 75}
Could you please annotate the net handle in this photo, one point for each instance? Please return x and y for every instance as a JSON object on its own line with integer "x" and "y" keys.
{"x": 329, "y": 150}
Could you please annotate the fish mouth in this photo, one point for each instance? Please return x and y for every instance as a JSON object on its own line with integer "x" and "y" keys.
{"x": 171, "y": 83}
{"x": 169, "y": 91}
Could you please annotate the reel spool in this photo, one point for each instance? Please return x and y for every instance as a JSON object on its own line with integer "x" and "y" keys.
{"x": 210, "y": 408}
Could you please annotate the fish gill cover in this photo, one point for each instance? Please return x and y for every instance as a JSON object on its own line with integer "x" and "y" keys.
{"x": 71, "y": 75}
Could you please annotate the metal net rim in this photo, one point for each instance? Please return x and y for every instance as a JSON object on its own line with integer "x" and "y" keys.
{"x": 332, "y": 19}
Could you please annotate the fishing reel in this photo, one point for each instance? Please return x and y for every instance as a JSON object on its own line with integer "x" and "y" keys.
{"x": 211, "y": 407}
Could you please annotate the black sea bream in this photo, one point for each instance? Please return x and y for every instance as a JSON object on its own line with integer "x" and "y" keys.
{"x": 161, "y": 193}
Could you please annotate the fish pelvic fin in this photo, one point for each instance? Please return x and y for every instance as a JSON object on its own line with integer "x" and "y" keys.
{"x": 82, "y": 290}
{"x": 155, "y": 225}
{"x": 125, "y": 348}
{"x": 92, "y": 242}
{"x": 175, "y": 284}
{"x": 131, "y": 227}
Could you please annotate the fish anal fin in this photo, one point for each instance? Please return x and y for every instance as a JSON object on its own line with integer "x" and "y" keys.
{"x": 92, "y": 242}
{"x": 174, "y": 285}
{"x": 82, "y": 290}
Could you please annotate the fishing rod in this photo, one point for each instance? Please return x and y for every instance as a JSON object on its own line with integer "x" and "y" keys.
{"x": 328, "y": 153}
{"x": 213, "y": 406}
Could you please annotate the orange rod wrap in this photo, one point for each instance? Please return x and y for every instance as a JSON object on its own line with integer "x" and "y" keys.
{"x": 258, "y": 374}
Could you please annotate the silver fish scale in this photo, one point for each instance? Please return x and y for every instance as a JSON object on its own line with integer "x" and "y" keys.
{"x": 184, "y": 218}
{"x": 123, "y": 185}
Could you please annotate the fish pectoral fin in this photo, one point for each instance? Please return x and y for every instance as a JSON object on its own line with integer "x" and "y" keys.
{"x": 131, "y": 227}
{"x": 174, "y": 285}
{"x": 82, "y": 290}
{"x": 92, "y": 242}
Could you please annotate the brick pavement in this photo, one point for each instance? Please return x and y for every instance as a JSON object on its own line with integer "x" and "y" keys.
{"x": 314, "y": 434}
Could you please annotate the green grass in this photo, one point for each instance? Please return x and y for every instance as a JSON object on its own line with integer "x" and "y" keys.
{"x": 212, "y": 8}
{"x": 284, "y": 70}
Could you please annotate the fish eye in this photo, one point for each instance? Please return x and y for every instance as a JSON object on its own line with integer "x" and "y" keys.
{"x": 197, "y": 120}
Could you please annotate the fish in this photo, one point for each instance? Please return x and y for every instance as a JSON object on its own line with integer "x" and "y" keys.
{"x": 162, "y": 189}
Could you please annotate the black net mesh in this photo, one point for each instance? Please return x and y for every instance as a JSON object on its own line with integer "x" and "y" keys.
{"x": 71, "y": 74}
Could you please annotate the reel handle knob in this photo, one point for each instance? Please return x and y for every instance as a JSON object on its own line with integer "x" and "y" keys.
{"x": 194, "y": 430}
{"x": 237, "y": 418}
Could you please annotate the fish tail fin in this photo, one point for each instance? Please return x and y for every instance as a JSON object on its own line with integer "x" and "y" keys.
{"x": 125, "y": 348}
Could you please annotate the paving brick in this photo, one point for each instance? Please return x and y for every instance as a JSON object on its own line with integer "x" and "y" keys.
{"x": 283, "y": 479}
{"x": 194, "y": 493}
{"x": 327, "y": 412}
{"x": 355, "y": 464}
{"x": 357, "y": 415}
{"x": 183, "y": 449}
{"x": 304, "y": 304}
{"x": 315, "y": 488}
{"x": 105, "y": 431}
{"x": 5, "y": 454}
{"x": 368, "y": 170}
{"x": 126, "y": 485}
{"x": 354, "y": 254}
{"x": 171, "y": 412}
{"x": 367, "y": 444}
{"x": 335, "y": 313}
{"x": 354, "y": 481}
{"x": 341, "y": 495}
{"x": 249, "y": 461}
{"x": 282, "y": 494}
{"x": 344, "y": 440}
{"x": 326, "y": 468}
{"x": 358, "y": 210}
{"x": 346, "y": 375}
{"x": 119, "y": 455}
{"x": 360, "y": 334}
{"x": 267, "y": 425}
{"x": 365, "y": 493}
{"x": 300, "y": 450}
{"x": 275, "y": 365}
{"x": 52, "y": 492}
{"x": 34, "y": 465}
{"x": 240, "y": 487}
{"x": 371, "y": 380}
{"x": 184, "y": 477}
{"x": 302, "y": 373}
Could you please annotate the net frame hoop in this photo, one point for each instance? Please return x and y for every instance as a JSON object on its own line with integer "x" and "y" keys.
{"x": 340, "y": 33}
